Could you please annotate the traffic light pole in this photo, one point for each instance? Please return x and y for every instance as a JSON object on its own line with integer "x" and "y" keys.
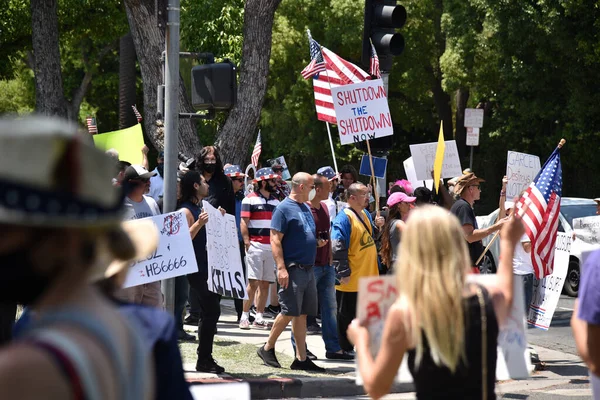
{"x": 171, "y": 127}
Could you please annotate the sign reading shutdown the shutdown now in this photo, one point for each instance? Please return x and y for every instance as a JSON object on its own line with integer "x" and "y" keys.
{"x": 362, "y": 111}
{"x": 173, "y": 257}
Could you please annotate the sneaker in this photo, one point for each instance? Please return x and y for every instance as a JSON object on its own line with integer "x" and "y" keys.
{"x": 268, "y": 357}
{"x": 253, "y": 311}
{"x": 191, "y": 320}
{"x": 185, "y": 337}
{"x": 306, "y": 365}
{"x": 209, "y": 366}
{"x": 262, "y": 324}
{"x": 244, "y": 324}
{"x": 310, "y": 355}
{"x": 271, "y": 312}
{"x": 313, "y": 329}
{"x": 344, "y": 355}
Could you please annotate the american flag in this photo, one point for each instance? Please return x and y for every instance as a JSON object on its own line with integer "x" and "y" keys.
{"x": 317, "y": 64}
{"x": 91, "y": 125}
{"x": 137, "y": 114}
{"x": 374, "y": 67}
{"x": 541, "y": 218}
{"x": 338, "y": 72}
{"x": 256, "y": 151}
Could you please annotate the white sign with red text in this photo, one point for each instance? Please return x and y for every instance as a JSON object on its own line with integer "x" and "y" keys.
{"x": 521, "y": 170}
{"x": 362, "y": 111}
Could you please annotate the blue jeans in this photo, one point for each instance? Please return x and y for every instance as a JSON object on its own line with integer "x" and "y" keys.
{"x": 325, "y": 280}
{"x": 527, "y": 290}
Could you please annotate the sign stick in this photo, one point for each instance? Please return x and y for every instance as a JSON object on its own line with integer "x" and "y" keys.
{"x": 488, "y": 247}
{"x": 374, "y": 179}
{"x": 331, "y": 145}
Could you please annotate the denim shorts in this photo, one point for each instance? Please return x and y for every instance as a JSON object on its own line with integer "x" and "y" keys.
{"x": 300, "y": 297}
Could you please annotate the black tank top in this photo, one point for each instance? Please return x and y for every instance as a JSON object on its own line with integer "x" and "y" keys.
{"x": 199, "y": 242}
{"x": 437, "y": 382}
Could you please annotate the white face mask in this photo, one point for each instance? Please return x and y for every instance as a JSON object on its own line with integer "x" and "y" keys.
{"x": 312, "y": 194}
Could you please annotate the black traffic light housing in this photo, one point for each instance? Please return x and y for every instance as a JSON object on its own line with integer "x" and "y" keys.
{"x": 382, "y": 18}
{"x": 214, "y": 86}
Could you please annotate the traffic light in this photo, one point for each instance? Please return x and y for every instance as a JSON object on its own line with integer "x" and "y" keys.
{"x": 382, "y": 18}
{"x": 214, "y": 86}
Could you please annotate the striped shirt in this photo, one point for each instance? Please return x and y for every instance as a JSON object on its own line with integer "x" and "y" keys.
{"x": 259, "y": 211}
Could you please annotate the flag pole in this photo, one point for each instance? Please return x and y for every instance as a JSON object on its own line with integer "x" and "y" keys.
{"x": 374, "y": 179}
{"x": 331, "y": 145}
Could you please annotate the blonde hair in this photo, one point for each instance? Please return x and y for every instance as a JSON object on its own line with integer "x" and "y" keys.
{"x": 431, "y": 277}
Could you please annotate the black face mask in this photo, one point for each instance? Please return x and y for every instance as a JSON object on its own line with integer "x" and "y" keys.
{"x": 209, "y": 168}
{"x": 20, "y": 282}
{"x": 160, "y": 168}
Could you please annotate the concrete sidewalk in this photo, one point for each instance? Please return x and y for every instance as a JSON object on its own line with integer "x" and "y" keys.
{"x": 557, "y": 369}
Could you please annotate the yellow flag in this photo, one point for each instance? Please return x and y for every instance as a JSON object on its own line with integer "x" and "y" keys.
{"x": 128, "y": 142}
{"x": 439, "y": 159}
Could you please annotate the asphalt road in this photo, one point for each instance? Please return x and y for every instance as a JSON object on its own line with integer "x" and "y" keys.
{"x": 559, "y": 337}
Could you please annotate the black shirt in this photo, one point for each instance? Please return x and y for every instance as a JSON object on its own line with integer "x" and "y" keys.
{"x": 464, "y": 212}
{"x": 220, "y": 193}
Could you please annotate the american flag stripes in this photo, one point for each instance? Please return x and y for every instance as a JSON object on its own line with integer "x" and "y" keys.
{"x": 91, "y": 125}
{"x": 257, "y": 150}
{"x": 317, "y": 64}
{"x": 137, "y": 114}
{"x": 541, "y": 219}
{"x": 374, "y": 67}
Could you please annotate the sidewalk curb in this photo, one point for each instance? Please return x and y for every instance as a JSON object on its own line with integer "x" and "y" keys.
{"x": 280, "y": 388}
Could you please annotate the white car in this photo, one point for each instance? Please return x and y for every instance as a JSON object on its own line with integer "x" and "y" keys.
{"x": 570, "y": 208}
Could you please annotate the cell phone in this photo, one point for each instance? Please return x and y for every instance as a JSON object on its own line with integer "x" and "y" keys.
{"x": 323, "y": 235}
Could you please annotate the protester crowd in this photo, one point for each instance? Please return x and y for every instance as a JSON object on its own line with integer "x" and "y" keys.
{"x": 304, "y": 245}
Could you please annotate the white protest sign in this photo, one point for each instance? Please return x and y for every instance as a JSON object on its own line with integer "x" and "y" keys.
{"x": 473, "y": 117}
{"x": 587, "y": 229}
{"x": 362, "y": 111}
{"x": 221, "y": 391}
{"x": 472, "y": 136}
{"x": 411, "y": 175}
{"x": 225, "y": 274}
{"x": 546, "y": 292}
{"x": 521, "y": 170}
{"x": 423, "y": 156}
{"x": 173, "y": 257}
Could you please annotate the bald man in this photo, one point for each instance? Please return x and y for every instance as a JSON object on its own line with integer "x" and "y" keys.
{"x": 294, "y": 245}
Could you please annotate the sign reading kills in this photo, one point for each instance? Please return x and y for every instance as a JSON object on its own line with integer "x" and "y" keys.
{"x": 362, "y": 111}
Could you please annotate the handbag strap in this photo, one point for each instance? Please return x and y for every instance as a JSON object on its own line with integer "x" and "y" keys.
{"x": 484, "y": 371}
{"x": 362, "y": 220}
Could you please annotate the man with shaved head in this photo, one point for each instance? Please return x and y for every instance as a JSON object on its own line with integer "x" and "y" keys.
{"x": 294, "y": 246}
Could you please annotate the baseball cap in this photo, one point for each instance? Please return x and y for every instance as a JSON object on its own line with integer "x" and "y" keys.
{"x": 399, "y": 197}
{"x": 134, "y": 172}
{"x": 327, "y": 172}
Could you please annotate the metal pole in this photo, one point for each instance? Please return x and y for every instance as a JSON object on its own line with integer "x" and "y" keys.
{"x": 331, "y": 145}
{"x": 171, "y": 127}
{"x": 471, "y": 158}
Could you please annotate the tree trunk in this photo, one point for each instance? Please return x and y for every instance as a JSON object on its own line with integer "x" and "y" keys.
{"x": 440, "y": 97}
{"x": 238, "y": 132}
{"x": 49, "y": 95}
{"x": 127, "y": 78}
{"x": 462, "y": 97}
{"x": 149, "y": 42}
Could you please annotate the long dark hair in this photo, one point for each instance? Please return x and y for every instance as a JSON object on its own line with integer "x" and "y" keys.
{"x": 386, "y": 239}
{"x": 186, "y": 187}
{"x": 206, "y": 150}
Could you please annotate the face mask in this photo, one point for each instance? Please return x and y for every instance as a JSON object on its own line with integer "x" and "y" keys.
{"x": 312, "y": 194}
{"x": 209, "y": 168}
{"x": 160, "y": 168}
{"x": 20, "y": 282}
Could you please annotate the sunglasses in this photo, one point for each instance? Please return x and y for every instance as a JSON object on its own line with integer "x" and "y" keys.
{"x": 277, "y": 169}
{"x": 238, "y": 179}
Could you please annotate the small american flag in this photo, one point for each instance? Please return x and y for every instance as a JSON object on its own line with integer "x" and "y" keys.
{"x": 541, "y": 219}
{"x": 257, "y": 150}
{"x": 317, "y": 64}
{"x": 374, "y": 67}
{"x": 137, "y": 114}
{"x": 91, "y": 125}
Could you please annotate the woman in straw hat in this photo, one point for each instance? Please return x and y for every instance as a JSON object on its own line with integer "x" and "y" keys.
{"x": 448, "y": 328}
{"x": 60, "y": 228}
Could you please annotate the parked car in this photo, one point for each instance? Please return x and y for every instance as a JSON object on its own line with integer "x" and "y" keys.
{"x": 570, "y": 208}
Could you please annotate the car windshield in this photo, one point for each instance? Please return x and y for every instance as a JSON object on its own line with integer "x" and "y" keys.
{"x": 577, "y": 211}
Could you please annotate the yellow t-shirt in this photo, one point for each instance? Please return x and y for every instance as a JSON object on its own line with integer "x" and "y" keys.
{"x": 362, "y": 252}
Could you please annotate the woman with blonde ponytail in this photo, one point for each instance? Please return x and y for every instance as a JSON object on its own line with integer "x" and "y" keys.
{"x": 448, "y": 328}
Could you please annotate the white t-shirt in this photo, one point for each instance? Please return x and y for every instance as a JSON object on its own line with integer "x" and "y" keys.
{"x": 522, "y": 264}
{"x": 145, "y": 208}
{"x": 330, "y": 203}
{"x": 156, "y": 186}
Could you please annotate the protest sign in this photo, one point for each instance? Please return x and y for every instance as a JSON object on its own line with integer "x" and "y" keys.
{"x": 439, "y": 159}
{"x": 173, "y": 257}
{"x": 128, "y": 142}
{"x": 362, "y": 111}
{"x": 379, "y": 166}
{"x": 225, "y": 274}
{"x": 281, "y": 161}
{"x": 411, "y": 175}
{"x": 546, "y": 292}
{"x": 221, "y": 391}
{"x": 521, "y": 170}
{"x": 587, "y": 229}
{"x": 376, "y": 295}
{"x": 423, "y": 156}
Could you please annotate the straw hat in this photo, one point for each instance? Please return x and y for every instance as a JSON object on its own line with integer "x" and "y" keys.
{"x": 466, "y": 181}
